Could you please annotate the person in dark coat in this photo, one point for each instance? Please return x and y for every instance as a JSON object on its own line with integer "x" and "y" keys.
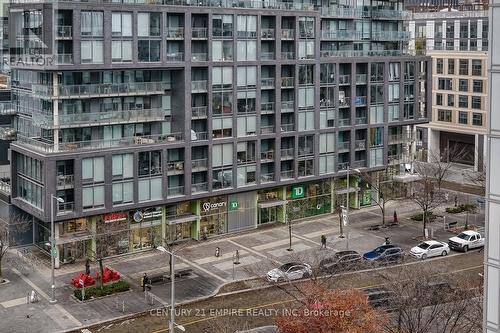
{"x": 87, "y": 267}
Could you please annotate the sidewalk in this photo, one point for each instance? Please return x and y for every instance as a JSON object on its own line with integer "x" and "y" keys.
{"x": 260, "y": 250}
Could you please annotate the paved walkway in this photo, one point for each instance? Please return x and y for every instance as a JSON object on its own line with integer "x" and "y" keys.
{"x": 260, "y": 250}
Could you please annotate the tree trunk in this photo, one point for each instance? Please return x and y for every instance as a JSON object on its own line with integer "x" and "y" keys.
{"x": 101, "y": 270}
{"x": 383, "y": 214}
{"x": 1, "y": 275}
{"x": 424, "y": 219}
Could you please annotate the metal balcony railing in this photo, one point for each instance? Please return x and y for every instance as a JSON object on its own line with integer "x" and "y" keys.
{"x": 199, "y": 86}
{"x": 199, "y": 187}
{"x": 64, "y": 31}
{"x": 345, "y": 145}
{"x": 267, "y": 82}
{"x": 287, "y": 174}
{"x": 199, "y": 33}
{"x": 360, "y": 144}
{"x": 288, "y": 153}
{"x": 201, "y": 163}
{"x": 287, "y": 33}
{"x": 199, "y": 111}
{"x": 199, "y": 56}
{"x": 175, "y": 191}
{"x": 174, "y": 32}
{"x": 268, "y": 33}
{"x": 65, "y": 181}
{"x": 287, "y": 82}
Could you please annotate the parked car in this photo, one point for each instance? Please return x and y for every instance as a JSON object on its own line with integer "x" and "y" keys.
{"x": 340, "y": 261}
{"x": 430, "y": 249}
{"x": 381, "y": 298}
{"x": 289, "y": 272}
{"x": 385, "y": 254}
{"x": 466, "y": 240}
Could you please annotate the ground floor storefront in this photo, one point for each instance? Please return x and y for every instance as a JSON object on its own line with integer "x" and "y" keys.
{"x": 132, "y": 231}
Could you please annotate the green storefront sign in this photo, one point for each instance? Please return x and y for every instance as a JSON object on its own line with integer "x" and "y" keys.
{"x": 298, "y": 192}
{"x": 233, "y": 205}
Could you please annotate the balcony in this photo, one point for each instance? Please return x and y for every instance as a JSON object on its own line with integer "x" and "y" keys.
{"x": 394, "y": 36}
{"x": 199, "y": 187}
{"x": 267, "y": 129}
{"x": 267, "y": 56}
{"x": 199, "y": 164}
{"x": 288, "y": 127}
{"x": 267, "y": 177}
{"x": 287, "y": 106}
{"x": 267, "y": 156}
{"x": 175, "y": 191}
{"x": 203, "y": 56}
{"x": 344, "y": 122}
{"x": 359, "y": 164}
{"x": 342, "y": 166}
{"x": 345, "y": 145}
{"x": 174, "y": 56}
{"x": 341, "y": 35}
{"x": 389, "y": 14}
{"x": 361, "y": 78}
{"x": 306, "y": 34}
{"x": 360, "y": 101}
{"x": 287, "y": 55}
{"x": 361, "y": 120}
{"x": 65, "y": 181}
{"x": 287, "y": 174}
{"x": 174, "y": 32}
{"x": 7, "y": 109}
{"x": 199, "y": 33}
{"x": 339, "y": 12}
{"x": 359, "y": 53}
{"x": 199, "y": 86}
{"x": 326, "y": 103}
{"x": 360, "y": 144}
{"x": 345, "y": 102}
{"x": 287, "y": 34}
{"x": 288, "y": 153}
{"x": 64, "y": 31}
{"x": 267, "y": 83}
{"x": 268, "y": 33}
{"x": 102, "y": 90}
{"x": 344, "y": 79}
{"x": 199, "y": 112}
{"x": 398, "y": 138}
{"x": 65, "y": 59}
{"x": 49, "y": 147}
{"x": 267, "y": 108}
{"x": 65, "y": 208}
{"x": 199, "y": 136}
{"x": 98, "y": 118}
{"x": 175, "y": 168}
{"x": 287, "y": 82}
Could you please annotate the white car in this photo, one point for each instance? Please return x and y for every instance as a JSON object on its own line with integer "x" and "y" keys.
{"x": 289, "y": 272}
{"x": 430, "y": 248}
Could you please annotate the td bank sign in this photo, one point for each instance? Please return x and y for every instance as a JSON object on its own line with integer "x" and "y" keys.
{"x": 298, "y": 192}
{"x": 208, "y": 206}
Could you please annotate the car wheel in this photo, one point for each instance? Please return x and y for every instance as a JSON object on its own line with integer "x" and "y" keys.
{"x": 466, "y": 248}
{"x": 305, "y": 275}
{"x": 424, "y": 256}
{"x": 280, "y": 279}
{"x": 444, "y": 253}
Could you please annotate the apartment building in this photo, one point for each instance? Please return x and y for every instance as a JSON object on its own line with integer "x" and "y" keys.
{"x": 177, "y": 119}
{"x": 457, "y": 42}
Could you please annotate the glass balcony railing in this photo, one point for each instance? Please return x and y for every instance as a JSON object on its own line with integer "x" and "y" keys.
{"x": 267, "y": 129}
{"x": 99, "y": 118}
{"x": 49, "y": 147}
{"x": 199, "y": 86}
{"x": 287, "y": 106}
{"x": 359, "y": 164}
{"x": 344, "y": 79}
{"x": 288, "y": 127}
{"x": 361, "y": 78}
{"x": 267, "y": 177}
{"x": 103, "y": 89}
{"x": 287, "y": 82}
{"x": 361, "y": 120}
{"x": 287, "y": 33}
{"x": 174, "y": 32}
{"x": 288, "y": 153}
{"x": 64, "y": 181}
{"x": 203, "y": 56}
{"x": 342, "y": 166}
{"x": 345, "y": 145}
{"x": 344, "y": 12}
{"x": 287, "y": 55}
{"x": 199, "y": 111}
{"x": 287, "y": 174}
{"x": 267, "y": 33}
{"x": 267, "y": 56}
{"x": 7, "y": 109}
{"x": 344, "y": 122}
{"x": 267, "y": 107}
{"x": 389, "y": 14}
{"x": 175, "y": 191}
{"x": 65, "y": 208}
{"x": 176, "y": 167}
{"x": 174, "y": 56}
{"x": 65, "y": 59}
{"x": 199, "y": 136}
{"x": 345, "y": 102}
{"x": 360, "y": 144}
{"x": 199, "y": 33}
{"x": 390, "y": 35}
{"x": 199, "y": 187}
{"x": 199, "y": 164}
{"x": 267, "y": 83}
{"x": 267, "y": 155}
{"x": 64, "y": 31}
{"x": 358, "y": 53}
{"x": 341, "y": 34}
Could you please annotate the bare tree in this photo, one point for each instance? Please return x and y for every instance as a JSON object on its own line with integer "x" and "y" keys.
{"x": 9, "y": 232}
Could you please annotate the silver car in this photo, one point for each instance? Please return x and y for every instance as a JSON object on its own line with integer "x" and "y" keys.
{"x": 289, "y": 272}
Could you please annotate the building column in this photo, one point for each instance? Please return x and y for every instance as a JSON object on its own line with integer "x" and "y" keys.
{"x": 55, "y": 110}
{"x": 195, "y": 226}
{"x": 476, "y": 152}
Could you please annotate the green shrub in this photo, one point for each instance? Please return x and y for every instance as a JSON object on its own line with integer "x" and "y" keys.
{"x": 96, "y": 291}
{"x": 471, "y": 208}
{"x": 454, "y": 210}
{"x": 419, "y": 217}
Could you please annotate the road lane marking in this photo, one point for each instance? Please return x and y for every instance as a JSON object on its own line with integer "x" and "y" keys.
{"x": 203, "y": 269}
{"x": 252, "y": 250}
{"x": 222, "y": 257}
{"x": 13, "y": 302}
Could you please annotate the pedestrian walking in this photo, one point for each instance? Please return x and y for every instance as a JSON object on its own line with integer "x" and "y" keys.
{"x": 456, "y": 200}
{"x": 145, "y": 283}
{"x": 323, "y": 241}
{"x": 387, "y": 241}
{"x": 87, "y": 267}
{"x": 395, "y": 217}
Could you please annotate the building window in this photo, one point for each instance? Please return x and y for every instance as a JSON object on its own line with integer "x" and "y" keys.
{"x": 247, "y": 125}
{"x": 123, "y": 166}
{"x": 444, "y": 115}
{"x": 463, "y": 67}
{"x": 149, "y": 163}
{"x": 30, "y": 167}
{"x": 247, "y": 77}
{"x": 222, "y": 161}
{"x": 439, "y": 99}
{"x": 222, "y": 103}
{"x": 222, "y": 127}
{"x": 222, "y": 26}
{"x": 463, "y": 101}
{"x": 93, "y": 170}
{"x": 247, "y": 50}
{"x": 92, "y": 52}
{"x": 477, "y": 119}
{"x": 327, "y": 118}
{"x": 306, "y": 97}
{"x": 477, "y": 67}
{"x": 91, "y": 24}
{"x": 477, "y": 86}
{"x": 306, "y": 168}
{"x": 93, "y": 197}
{"x": 246, "y": 175}
{"x": 150, "y": 189}
{"x": 439, "y": 66}
{"x": 326, "y": 143}
{"x": 451, "y": 100}
{"x": 149, "y": 50}
{"x": 306, "y": 27}
{"x": 246, "y": 102}
{"x": 306, "y": 49}
{"x": 123, "y": 193}
{"x": 247, "y": 26}
{"x": 121, "y": 24}
{"x": 476, "y": 102}
{"x": 451, "y": 66}
{"x": 148, "y": 24}
{"x": 222, "y": 78}
{"x": 463, "y": 118}
{"x": 222, "y": 50}
{"x": 326, "y": 164}
{"x": 30, "y": 192}
{"x": 306, "y": 121}
{"x": 463, "y": 85}
{"x": 121, "y": 51}
{"x": 443, "y": 84}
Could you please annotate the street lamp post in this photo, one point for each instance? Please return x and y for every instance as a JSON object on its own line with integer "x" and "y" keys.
{"x": 53, "y": 249}
{"x": 289, "y": 227}
{"x": 171, "y": 324}
{"x": 348, "y": 227}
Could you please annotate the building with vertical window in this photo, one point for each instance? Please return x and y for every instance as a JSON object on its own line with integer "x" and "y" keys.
{"x": 172, "y": 120}
{"x": 457, "y": 42}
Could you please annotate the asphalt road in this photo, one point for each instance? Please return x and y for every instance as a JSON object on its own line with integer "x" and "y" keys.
{"x": 252, "y": 308}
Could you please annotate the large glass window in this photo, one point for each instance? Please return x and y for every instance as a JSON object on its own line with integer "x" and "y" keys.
{"x": 123, "y": 166}
{"x": 93, "y": 169}
{"x": 92, "y": 51}
{"x": 91, "y": 24}
{"x": 93, "y": 197}
{"x": 247, "y": 26}
{"x": 121, "y": 51}
{"x": 247, "y": 50}
{"x": 149, "y": 50}
{"x": 149, "y": 163}
{"x": 148, "y": 24}
{"x": 222, "y": 26}
{"x": 247, "y": 77}
{"x": 222, "y": 50}
{"x": 121, "y": 24}
{"x": 150, "y": 189}
{"x": 123, "y": 193}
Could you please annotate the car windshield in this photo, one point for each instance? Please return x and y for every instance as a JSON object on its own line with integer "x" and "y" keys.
{"x": 423, "y": 246}
{"x": 285, "y": 267}
{"x": 463, "y": 236}
{"x": 380, "y": 250}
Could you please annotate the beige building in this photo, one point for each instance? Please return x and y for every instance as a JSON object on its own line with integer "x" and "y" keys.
{"x": 457, "y": 41}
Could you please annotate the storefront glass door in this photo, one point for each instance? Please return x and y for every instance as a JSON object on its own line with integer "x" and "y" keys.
{"x": 268, "y": 215}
